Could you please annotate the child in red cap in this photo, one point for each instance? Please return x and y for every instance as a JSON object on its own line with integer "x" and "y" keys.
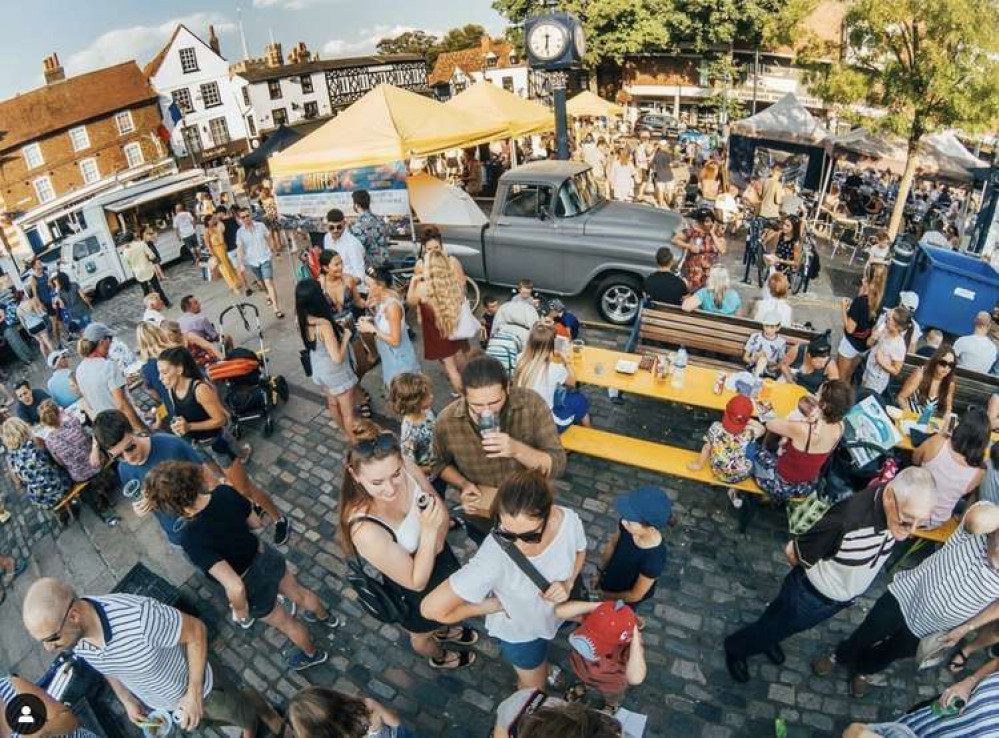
{"x": 726, "y": 442}
{"x": 607, "y": 652}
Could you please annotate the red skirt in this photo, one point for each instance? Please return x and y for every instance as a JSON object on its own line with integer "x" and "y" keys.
{"x": 436, "y": 346}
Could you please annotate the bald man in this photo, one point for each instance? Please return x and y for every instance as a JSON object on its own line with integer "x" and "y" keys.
{"x": 153, "y": 656}
{"x": 833, "y": 563}
{"x": 977, "y": 352}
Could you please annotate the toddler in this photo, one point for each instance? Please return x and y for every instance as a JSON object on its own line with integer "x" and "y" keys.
{"x": 412, "y": 398}
{"x": 726, "y": 443}
{"x": 766, "y": 351}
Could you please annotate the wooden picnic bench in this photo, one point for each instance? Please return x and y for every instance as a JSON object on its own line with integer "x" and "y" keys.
{"x": 724, "y": 336}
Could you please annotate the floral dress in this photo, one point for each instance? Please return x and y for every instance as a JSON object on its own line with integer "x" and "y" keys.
{"x": 696, "y": 266}
{"x": 45, "y": 482}
{"x": 727, "y": 456}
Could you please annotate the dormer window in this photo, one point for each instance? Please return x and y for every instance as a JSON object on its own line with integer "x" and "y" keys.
{"x": 490, "y": 60}
{"x": 513, "y": 58}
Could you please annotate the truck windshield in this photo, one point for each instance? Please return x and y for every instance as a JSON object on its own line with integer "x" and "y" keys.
{"x": 578, "y": 195}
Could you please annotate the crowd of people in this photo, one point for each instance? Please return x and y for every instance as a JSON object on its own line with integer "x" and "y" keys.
{"x": 507, "y": 551}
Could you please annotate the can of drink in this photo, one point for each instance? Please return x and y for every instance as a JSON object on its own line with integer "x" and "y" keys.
{"x": 720, "y": 383}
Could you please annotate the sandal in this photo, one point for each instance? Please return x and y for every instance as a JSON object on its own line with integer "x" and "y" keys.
{"x": 465, "y": 636}
{"x": 9, "y": 576}
{"x": 958, "y": 662}
{"x": 453, "y": 660}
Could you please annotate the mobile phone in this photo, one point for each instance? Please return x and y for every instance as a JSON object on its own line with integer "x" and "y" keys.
{"x": 422, "y": 501}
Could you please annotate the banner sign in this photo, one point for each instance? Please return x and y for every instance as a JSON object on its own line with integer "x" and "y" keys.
{"x": 304, "y": 199}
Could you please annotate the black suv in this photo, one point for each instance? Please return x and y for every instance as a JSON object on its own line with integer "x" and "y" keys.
{"x": 657, "y": 124}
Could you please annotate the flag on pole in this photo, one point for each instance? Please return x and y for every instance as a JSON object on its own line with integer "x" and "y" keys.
{"x": 170, "y": 120}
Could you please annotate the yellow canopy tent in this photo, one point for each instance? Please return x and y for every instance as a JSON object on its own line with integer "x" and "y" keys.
{"x": 387, "y": 124}
{"x": 521, "y": 117}
{"x": 588, "y": 105}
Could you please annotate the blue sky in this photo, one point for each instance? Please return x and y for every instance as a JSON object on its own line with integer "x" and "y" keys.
{"x": 95, "y": 33}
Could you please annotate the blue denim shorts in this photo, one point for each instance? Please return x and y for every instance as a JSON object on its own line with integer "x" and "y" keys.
{"x": 527, "y": 655}
{"x": 262, "y": 271}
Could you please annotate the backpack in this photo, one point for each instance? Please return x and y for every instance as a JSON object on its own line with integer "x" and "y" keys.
{"x": 380, "y": 601}
{"x": 505, "y": 348}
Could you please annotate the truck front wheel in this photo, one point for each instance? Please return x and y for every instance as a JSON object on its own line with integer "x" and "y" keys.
{"x": 619, "y": 298}
{"x": 107, "y": 288}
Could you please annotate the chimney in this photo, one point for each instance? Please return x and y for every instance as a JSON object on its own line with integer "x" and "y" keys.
{"x": 273, "y": 54}
{"x": 213, "y": 41}
{"x": 299, "y": 54}
{"x": 52, "y": 69}
{"x": 486, "y": 44}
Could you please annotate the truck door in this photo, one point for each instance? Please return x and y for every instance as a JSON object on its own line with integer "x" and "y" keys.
{"x": 88, "y": 265}
{"x": 525, "y": 242}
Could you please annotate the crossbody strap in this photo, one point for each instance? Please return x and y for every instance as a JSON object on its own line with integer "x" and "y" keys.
{"x": 376, "y": 521}
{"x": 523, "y": 563}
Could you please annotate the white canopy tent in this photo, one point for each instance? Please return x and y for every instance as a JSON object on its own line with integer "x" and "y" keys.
{"x": 786, "y": 120}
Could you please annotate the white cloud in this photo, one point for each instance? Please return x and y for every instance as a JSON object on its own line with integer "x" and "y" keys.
{"x": 292, "y": 4}
{"x": 141, "y": 42}
{"x": 366, "y": 40}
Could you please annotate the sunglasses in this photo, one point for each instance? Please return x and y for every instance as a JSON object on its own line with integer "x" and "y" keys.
{"x": 130, "y": 448}
{"x": 533, "y": 536}
{"x": 335, "y": 227}
{"x": 384, "y": 442}
{"x": 62, "y": 624}
{"x": 948, "y": 364}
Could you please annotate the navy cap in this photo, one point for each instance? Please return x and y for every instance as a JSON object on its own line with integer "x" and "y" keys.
{"x": 645, "y": 505}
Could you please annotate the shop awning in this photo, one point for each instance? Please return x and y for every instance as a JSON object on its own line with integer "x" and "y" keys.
{"x": 387, "y": 124}
{"x": 520, "y": 117}
{"x": 129, "y": 202}
{"x": 588, "y": 105}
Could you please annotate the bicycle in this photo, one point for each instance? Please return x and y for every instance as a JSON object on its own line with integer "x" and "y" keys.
{"x": 753, "y": 255}
{"x": 799, "y": 277}
{"x": 402, "y": 275}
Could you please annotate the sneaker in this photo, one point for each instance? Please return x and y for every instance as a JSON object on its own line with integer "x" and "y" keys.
{"x": 112, "y": 521}
{"x": 288, "y": 605}
{"x": 245, "y": 453}
{"x": 244, "y": 624}
{"x": 332, "y": 620}
{"x": 282, "y": 530}
{"x": 300, "y": 661}
{"x": 823, "y": 665}
{"x": 734, "y": 497}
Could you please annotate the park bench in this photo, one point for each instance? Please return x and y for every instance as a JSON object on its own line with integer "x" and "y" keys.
{"x": 722, "y": 336}
{"x": 973, "y": 388}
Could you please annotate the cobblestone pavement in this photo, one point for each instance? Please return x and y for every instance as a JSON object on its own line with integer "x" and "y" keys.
{"x": 716, "y": 579}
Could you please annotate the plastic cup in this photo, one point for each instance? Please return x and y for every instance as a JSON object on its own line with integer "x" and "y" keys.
{"x": 133, "y": 490}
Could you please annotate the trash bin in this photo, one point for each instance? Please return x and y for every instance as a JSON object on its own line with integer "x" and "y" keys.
{"x": 898, "y": 270}
{"x": 952, "y": 287}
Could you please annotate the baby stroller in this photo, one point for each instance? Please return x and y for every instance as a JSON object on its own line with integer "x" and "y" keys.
{"x": 249, "y": 390}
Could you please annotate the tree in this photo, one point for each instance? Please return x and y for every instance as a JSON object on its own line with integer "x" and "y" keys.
{"x": 409, "y": 42}
{"x": 929, "y": 65}
{"x": 429, "y": 46}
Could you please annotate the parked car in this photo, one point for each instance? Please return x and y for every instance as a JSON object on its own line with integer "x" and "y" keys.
{"x": 692, "y": 134}
{"x": 658, "y": 125}
{"x": 549, "y": 223}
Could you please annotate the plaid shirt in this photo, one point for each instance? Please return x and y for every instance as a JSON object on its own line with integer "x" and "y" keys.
{"x": 525, "y": 417}
{"x": 373, "y": 234}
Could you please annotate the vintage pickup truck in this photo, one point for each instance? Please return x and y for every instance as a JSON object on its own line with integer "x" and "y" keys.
{"x": 551, "y": 224}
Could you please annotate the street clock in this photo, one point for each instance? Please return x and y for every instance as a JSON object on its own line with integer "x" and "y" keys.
{"x": 554, "y": 41}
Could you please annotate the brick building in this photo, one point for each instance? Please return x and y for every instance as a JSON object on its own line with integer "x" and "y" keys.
{"x": 74, "y": 136}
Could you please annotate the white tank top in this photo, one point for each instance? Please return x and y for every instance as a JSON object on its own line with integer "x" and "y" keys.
{"x": 407, "y": 534}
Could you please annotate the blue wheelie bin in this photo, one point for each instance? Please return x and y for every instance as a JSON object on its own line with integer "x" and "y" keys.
{"x": 952, "y": 287}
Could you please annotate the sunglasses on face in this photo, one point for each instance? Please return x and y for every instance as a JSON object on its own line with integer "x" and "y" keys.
{"x": 130, "y": 448}
{"x": 948, "y": 364}
{"x": 62, "y": 624}
{"x": 335, "y": 227}
{"x": 384, "y": 442}
{"x": 533, "y": 536}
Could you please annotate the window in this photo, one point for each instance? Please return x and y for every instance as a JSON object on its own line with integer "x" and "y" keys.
{"x": 87, "y": 247}
{"x": 246, "y": 96}
{"x": 219, "y": 130}
{"x": 133, "y": 155}
{"x": 306, "y": 84}
{"x": 311, "y": 110}
{"x": 188, "y": 60}
{"x": 183, "y": 99}
{"x": 251, "y": 125}
{"x": 89, "y": 170}
{"x": 124, "y": 122}
{"x": 33, "y": 155}
{"x": 274, "y": 88}
{"x": 508, "y": 84}
{"x": 210, "y": 95}
{"x": 43, "y": 189}
{"x": 527, "y": 201}
{"x": 192, "y": 139}
{"x": 79, "y": 138}
{"x": 280, "y": 116}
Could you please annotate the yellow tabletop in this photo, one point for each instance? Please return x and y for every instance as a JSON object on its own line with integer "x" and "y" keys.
{"x": 596, "y": 366}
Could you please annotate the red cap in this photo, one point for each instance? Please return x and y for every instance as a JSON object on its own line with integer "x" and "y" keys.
{"x": 604, "y": 630}
{"x": 738, "y": 413}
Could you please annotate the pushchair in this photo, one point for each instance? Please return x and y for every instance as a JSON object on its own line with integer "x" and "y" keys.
{"x": 249, "y": 390}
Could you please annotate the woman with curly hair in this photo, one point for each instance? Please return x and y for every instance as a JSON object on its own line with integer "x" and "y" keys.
{"x": 440, "y": 297}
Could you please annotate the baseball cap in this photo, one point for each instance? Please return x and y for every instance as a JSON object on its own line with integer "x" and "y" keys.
{"x": 96, "y": 331}
{"x": 54, "y": 357}
{"x": 909, "y": 300}
{"x": 645, "y": 505}
{"x": 738, "y": 412}
{"x": 604, "y": 630}
{"x": 820, "y": 345}
{"x": 555, "y": 305}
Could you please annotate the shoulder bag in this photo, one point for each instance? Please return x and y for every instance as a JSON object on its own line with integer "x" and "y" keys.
{"x": 379, "y": 600}
{"x": 468, "y": 326}
{"x": 537, "y": 578}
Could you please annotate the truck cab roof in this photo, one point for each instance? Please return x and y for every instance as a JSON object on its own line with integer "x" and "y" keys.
{"x": 548, "y": 171}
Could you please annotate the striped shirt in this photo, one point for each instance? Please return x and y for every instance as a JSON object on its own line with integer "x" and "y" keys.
{"x": 950, "y": 587}
{"x": 7, "y": 695}
{"x": 141, "y": 649}
{"x": 979, "y": 719}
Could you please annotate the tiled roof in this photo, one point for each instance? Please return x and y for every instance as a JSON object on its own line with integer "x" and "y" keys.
{"x": 154, "y": 64}
{"x": 264, "y": 73}
{"x": 71, "y": 101}
{"x": 468, "y": 60}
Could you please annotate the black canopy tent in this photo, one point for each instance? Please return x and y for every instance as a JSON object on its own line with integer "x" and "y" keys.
{"x": 280, "y": 139}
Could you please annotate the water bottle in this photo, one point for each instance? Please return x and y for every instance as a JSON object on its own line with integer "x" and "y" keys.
{"x": 679, "y": 365}
{"x": 924, "y": 417}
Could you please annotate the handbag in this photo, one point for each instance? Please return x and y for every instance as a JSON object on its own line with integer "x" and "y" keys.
{"x": 364, "y": 354}
{"x": 468, "y": 326}
{"x": 378, "y": 600}
{"x": 305, "y": 356}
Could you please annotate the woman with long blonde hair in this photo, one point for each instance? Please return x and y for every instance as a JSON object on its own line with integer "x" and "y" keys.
{"x": 859, "y": 316}
{"x": 717, "y": 296}
{"x": 439, "y": 296}
{"x": 151, "y": 340}
{"x": 551, "y": 376}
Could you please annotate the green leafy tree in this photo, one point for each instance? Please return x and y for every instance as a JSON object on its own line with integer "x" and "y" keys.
{"x": 929, "y": 65}
{"x": 428, "y": 45}
{"x": 408, "y": 42}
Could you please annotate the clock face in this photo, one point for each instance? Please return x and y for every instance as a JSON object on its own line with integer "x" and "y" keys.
{"x": 579, "y": 38}
{"x": 547, "y": 41}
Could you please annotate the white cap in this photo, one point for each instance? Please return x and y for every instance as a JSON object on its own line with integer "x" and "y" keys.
{"x": 770, "y": 317}
{"x": 908, "y": 300}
